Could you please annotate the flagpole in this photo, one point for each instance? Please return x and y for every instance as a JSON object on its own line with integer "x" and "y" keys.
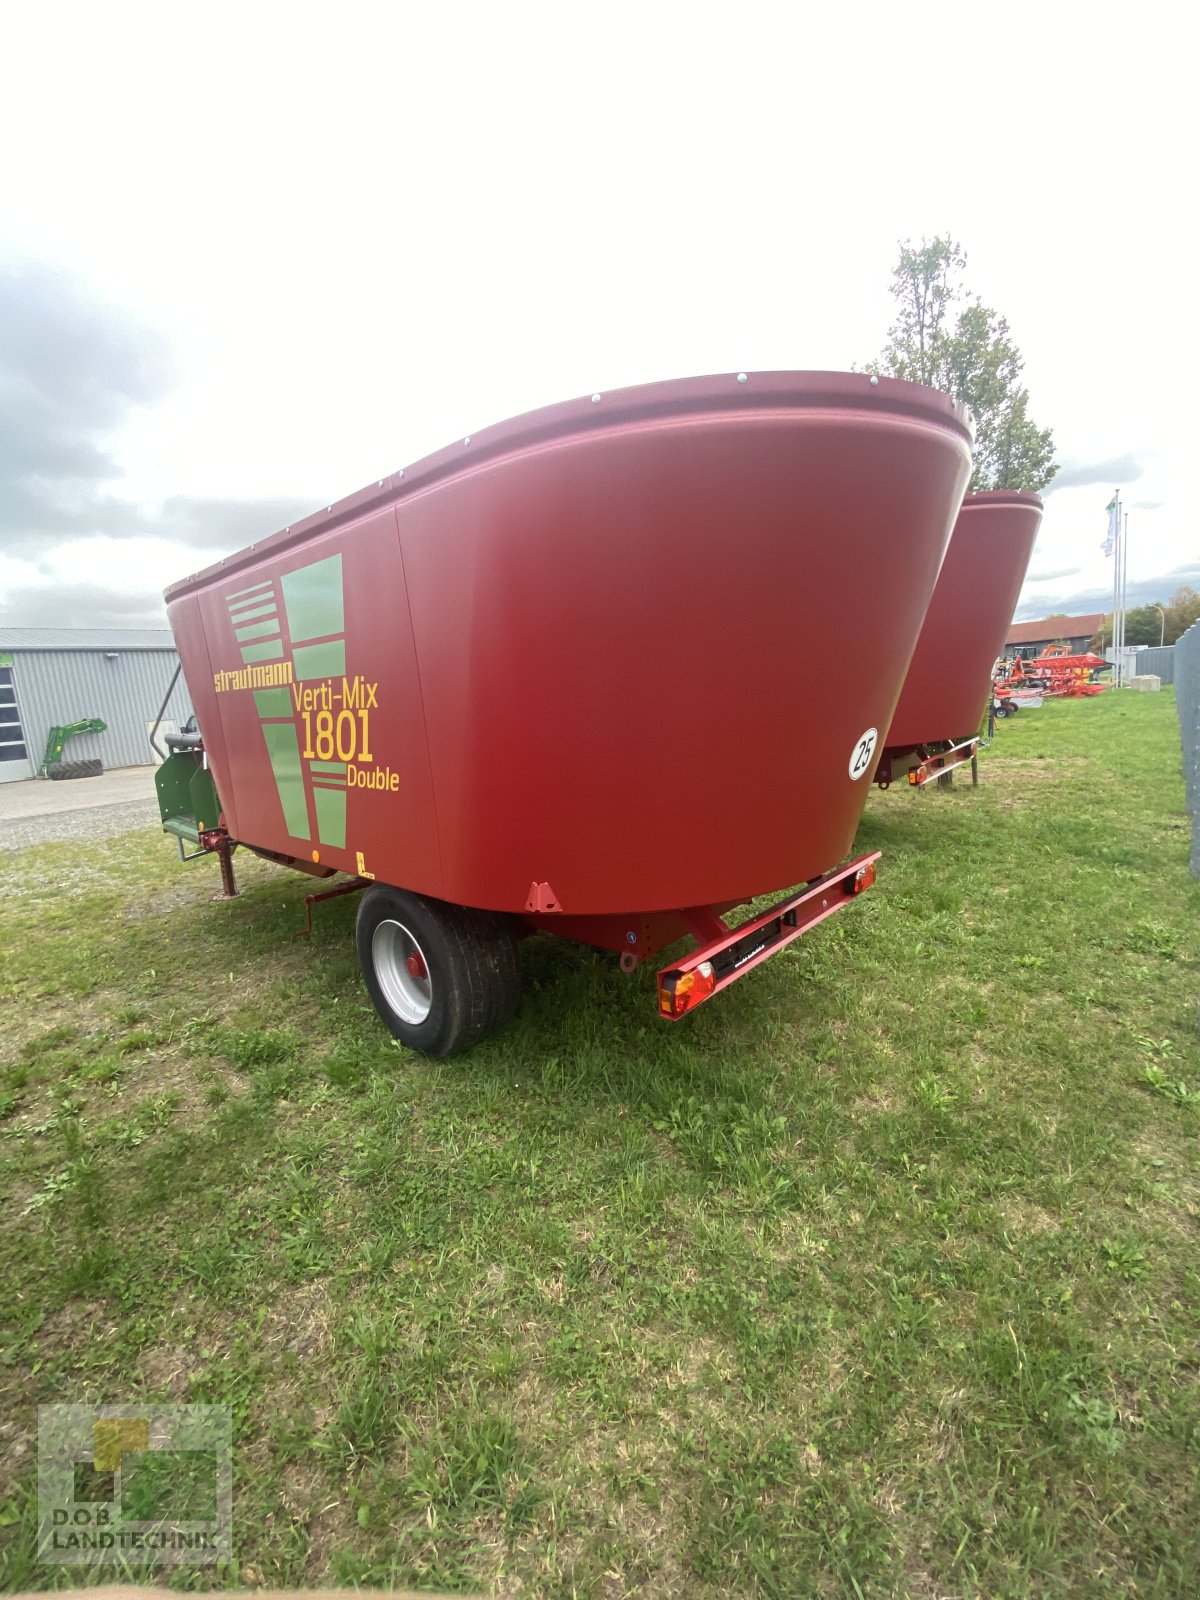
{"x": 1124, "y": 585}
{"x": 1121, "y": 594}
{"x": 1116, "y": 614}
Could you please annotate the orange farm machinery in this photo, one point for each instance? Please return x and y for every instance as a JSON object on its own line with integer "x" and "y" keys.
{"x": 1056, "y": 675}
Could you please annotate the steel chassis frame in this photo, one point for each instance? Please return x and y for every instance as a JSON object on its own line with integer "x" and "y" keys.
{"x": 735, "y": 951}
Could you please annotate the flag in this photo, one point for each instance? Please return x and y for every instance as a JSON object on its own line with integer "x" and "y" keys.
{"x": 1114, "y": 526}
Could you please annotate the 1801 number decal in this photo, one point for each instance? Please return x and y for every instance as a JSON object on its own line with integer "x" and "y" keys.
{"x": 344, "y": 734}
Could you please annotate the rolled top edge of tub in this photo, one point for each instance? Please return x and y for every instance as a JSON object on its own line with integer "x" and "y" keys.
{"x": 998, "y": 499}
{"x": 718, "y": 394}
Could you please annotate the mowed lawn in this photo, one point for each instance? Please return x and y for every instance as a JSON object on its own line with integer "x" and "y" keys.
{"x": 879, "y": 1275}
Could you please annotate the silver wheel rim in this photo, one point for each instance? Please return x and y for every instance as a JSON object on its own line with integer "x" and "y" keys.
{"x": 394, "y": 952}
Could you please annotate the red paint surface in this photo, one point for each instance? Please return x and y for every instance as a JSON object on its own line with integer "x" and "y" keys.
{"x": 594, "y": 629}
{"x": 968, "y": 618}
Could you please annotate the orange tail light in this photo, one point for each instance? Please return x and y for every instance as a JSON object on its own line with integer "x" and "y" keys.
{"x": 862, "y": 879}
{"x": 687, "y": 990}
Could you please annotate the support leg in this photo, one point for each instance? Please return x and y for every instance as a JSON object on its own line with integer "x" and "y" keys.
{"x": 229, "y": 888}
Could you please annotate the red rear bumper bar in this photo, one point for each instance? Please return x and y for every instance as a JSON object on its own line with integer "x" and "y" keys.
{"x": 726, "y": 954}
{"x": 945, "y": 761}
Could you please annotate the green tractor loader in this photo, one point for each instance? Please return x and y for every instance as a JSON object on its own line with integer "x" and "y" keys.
{"x": 53, "y": 765}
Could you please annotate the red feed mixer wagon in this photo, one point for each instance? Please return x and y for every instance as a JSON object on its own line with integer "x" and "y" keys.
{"x": 935, "y": 727}
{"x": 557, "y": 677}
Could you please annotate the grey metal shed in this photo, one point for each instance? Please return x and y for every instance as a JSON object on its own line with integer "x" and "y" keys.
{"x": 54, "y": 676}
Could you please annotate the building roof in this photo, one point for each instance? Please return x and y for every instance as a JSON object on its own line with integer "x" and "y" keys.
{"x": 1046, "y": 629}
{"x": 86, "y": 638}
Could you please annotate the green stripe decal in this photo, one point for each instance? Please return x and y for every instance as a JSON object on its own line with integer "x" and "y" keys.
{"x": 258, "y": 630}
{"x": 255, "y": 588}
{"x": 273, "y": 702}
{"x": 272, "y": 650}
{"x": 319, "y": 660}
{"x": 331, "y": 816}
{"x": 312, "y": 596}
{"x": 283, "y": 747}
{"x": 327, "y": 766}
{"x": 256, "y": 609}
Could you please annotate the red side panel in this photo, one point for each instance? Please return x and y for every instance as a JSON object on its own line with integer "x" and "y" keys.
{"x": 311, "y": 707}
{"x": 618, "y": 639}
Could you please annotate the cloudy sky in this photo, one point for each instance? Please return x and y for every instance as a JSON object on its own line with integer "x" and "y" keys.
{"x": 253, "y": 256}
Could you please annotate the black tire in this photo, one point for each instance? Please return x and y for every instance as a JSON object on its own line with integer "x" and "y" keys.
{"x": 472, "y": 977}
{"x": 59, "y": 770}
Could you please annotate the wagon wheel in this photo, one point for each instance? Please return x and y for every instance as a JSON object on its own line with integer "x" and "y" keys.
{"x": 441, "y": 976}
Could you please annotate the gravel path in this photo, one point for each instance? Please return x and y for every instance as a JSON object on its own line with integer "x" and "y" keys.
{"x": 87, "y": 822}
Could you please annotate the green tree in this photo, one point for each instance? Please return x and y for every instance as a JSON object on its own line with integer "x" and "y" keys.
{"x": 1182, "y": 609}
{"x": 1146, "y": 625}
{"x": 944, "y": 339}
{"x": 1103, "y": 636}
{"x": 1143, "y": 625}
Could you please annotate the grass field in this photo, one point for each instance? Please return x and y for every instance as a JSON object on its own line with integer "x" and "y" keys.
{"x": 880, "y": 1275}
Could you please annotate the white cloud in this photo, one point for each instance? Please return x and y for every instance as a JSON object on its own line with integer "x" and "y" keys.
{"x": 1052, "y": 576}
{"x": 366, "y": 232}
{"x": 95, "y": 581}
{"x": 16, "y": 573}
{"x": 136, "y": 566}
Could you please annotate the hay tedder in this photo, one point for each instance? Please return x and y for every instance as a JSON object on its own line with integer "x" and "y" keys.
{"x": 1055, "y": 675}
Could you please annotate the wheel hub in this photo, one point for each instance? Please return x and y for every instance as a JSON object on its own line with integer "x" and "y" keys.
{"x": 402, "y": 971}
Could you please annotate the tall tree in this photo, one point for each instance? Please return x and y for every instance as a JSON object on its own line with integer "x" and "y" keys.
{"x": 944, "y": 339}
{"x": 1143, "y": 625}
{"x": 1183, "y": 608}
{"x": 1146, "y": 625}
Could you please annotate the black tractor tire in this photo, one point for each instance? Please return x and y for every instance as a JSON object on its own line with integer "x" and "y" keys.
{"x": 58, "y": 770}
{"x": 441, "y": 976}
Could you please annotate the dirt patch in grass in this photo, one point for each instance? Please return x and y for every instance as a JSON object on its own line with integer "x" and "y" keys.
{"x": 1023, "y": 1216}
{"x": 165, "y": 1371}
{"x": 300, "y": 1322}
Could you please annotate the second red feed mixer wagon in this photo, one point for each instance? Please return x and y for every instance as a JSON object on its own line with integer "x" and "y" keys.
{"x": 558, "y": 677}
{"x": 935, "y": 727}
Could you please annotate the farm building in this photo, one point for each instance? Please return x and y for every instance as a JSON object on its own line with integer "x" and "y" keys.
{"x": 52, "y": 677}
{"x": 1031, "y": 638}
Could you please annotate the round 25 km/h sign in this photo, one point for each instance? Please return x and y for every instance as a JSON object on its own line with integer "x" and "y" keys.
{"x": 864, "y": 750}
